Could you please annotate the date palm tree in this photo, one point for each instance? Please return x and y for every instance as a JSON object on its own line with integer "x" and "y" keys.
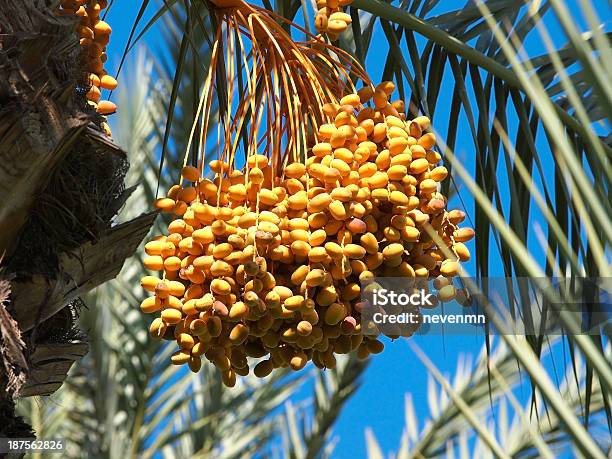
{"x": 524, "y": 117}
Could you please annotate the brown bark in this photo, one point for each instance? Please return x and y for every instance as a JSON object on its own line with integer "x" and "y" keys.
{"x": 56, "y": 207}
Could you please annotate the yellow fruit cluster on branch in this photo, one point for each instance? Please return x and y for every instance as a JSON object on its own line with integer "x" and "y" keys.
{"x": 330, "y": 18}
{"x": 94, "y": 35}
{"x": 270, "y": 263}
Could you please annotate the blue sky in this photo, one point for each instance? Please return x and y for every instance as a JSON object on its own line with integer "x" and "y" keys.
{"x": 379, "y": 403}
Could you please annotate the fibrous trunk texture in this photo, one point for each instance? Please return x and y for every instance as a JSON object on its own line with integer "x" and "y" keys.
{"x": 61, "y": 185}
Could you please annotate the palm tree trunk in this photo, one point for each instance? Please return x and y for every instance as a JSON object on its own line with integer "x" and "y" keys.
{"x": 61, "y": 184}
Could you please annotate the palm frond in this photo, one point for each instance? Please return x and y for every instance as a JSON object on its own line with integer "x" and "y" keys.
{"x": 307, "y": 436}
{"x": 518, "y": 431}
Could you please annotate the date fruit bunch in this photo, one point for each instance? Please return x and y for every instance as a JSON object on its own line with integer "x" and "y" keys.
{"x": 331, "y": 19}
{"x": 94, "y": 36}
{"x": 269, "y": 265}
